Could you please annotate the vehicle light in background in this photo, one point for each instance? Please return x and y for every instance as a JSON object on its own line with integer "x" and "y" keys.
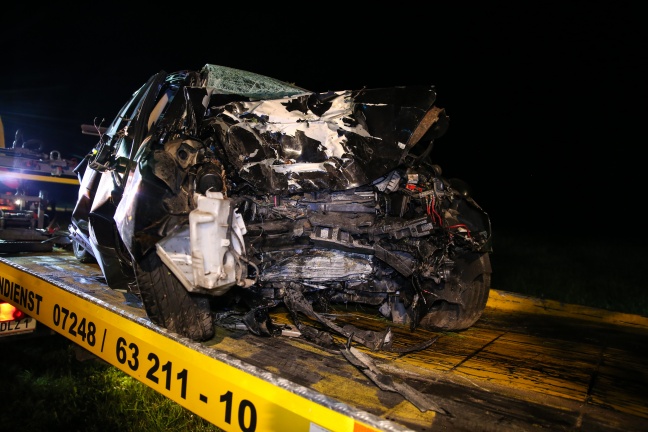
{"x": 9, "y": 312}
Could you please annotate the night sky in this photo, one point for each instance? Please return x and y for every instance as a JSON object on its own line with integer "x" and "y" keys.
{"x": 547, "y": 105}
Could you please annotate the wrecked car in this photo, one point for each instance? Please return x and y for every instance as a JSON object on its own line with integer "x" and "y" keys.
{"x": 220, "y": 189}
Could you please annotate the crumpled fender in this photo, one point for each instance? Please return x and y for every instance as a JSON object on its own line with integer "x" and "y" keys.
{"x": 335, "y": 141}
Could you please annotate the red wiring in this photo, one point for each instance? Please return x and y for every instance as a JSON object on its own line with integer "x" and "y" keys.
{"x": 461, "y": 226}
{"x": 431, "y": 210}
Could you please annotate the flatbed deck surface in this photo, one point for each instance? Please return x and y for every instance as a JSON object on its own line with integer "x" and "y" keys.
{"x": 526, "y": 365}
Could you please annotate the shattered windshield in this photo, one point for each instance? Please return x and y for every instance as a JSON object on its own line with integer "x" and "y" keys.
{"x": 235, "y": 81}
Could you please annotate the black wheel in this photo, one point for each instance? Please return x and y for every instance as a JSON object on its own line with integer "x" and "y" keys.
{"x": 25, "y": 246}
{"x": 168, "y": 303}
{"x": 470, "y": 285}
{"x": 81, "y": 253}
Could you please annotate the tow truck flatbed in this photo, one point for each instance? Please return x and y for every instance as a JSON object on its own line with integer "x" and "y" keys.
{"x": 527, "y": 364}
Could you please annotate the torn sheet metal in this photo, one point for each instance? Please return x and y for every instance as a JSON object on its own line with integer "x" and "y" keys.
{"x": 387, "y": 383}
{"x": 334, "y": 140}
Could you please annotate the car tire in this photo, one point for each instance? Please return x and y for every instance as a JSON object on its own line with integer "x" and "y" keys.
{"x": 472, "y": 275}
{"x": 168, "y": 303}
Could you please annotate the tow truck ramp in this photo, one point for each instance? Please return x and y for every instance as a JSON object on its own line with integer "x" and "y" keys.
{"x": 526, "y": 365}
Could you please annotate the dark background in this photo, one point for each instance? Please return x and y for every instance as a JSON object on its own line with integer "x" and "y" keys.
{"x": 547, "y": 103}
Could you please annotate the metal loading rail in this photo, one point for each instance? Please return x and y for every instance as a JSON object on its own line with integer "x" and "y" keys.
{"x": 527, "y": 364}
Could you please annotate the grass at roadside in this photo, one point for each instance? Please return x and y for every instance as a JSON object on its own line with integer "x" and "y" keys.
{"x": 601, "y": 271}
{"x": 43, "y": 387}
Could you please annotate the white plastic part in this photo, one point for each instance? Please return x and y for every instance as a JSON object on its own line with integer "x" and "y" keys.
{"x": 204, "y": 255}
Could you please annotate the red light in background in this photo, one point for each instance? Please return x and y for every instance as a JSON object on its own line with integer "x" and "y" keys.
{"x": 8, "y": 312}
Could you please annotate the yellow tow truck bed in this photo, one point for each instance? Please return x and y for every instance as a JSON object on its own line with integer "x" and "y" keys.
{"x": 526, "y": 364}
